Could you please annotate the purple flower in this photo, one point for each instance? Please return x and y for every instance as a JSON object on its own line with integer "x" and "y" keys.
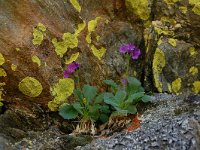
{"x": 124, "y": 81}
{"x": 135, "y": 53}
{"x": 131, "y": 49}
{"x": 71, "y": 68}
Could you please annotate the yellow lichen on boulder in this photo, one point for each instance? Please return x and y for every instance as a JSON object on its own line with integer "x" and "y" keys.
{"x": 2, "y": 59}
{"x": 36, "y": 60}
{"x": 192, "y": 51}
{"x": 171, "y": 2}
{"x": 176, "y": 85}
{"x": 14, "y": 67}
{"x": 139, "y": 7}
{"x": 61, "y": 91}
{"x": 30, "y": 86}
{"x": 196, "y": 87}
{"x": 72, "y": 58}
{"x": 193, "y": 70}
{"x": 99, "y": 53}
{"x": 38, "y": 34}
{"x": 196, "y": 8}
{"x": 2, "y": 73}
{"x": 76, "y": 5}
{"x": 172, "y": 42}
{"x": 158, "y": 65}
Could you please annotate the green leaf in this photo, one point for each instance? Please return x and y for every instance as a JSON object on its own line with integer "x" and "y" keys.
{"x": 146, "y": 98}
{"x": 99, "y": 98}
{"x": 111, "y": 83}
{"x": 78, "y": 107}
{"x": 78, "y": 94}
{"x": 104, "y": 118}
{"x": 89, "y": 92}
{"x": 110, "y": 99}
{"x": 68, "y": 112}
{"x": 132, "y": 109}
{"x": 134, "y": 97}
{"x": 133, "y": 85}
{"x": 94, "y": 112}
{"x": 119, "y": 113}
{"x": 120, "y": 96}
{"x": 105, "y": 109}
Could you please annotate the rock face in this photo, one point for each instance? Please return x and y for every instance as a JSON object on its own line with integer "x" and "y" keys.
{"x": 40, "y": 38}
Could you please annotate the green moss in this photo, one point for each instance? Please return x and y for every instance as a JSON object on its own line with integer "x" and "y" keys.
{"x": 38, "y": 34}
{"x": 76, "y": 5}
{"x": 158, "y": 65}
{"x": 2, "y": 73}
{"x": 2, "y": 59}
{"x": 99, "y": 53}
{"x": 61, "y": 91}
{"x": 14, "y": 67}
{"x": 193, "y": 70}
{"x": 30, "y": 87}
{"x": 196, "y": 87}
{"x": 169, "y": 87}
{"x": 139, "y": 7}
{"x": 36, "y": 60}
{"x": 172, "y": 41}
{"x": 176, "y": 85}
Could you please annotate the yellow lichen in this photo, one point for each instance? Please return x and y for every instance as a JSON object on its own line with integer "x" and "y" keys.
{"x": 1, "y": 90}
{"x": 36, "y": 60}
{"x": 30, "y": 86}
{"x": 91, "y": 27}
{"x": 38, "y": 34}
{"x": 72, "y": 58}
{"x": 14, "y": 67}
{"x": 159, "y": 42}
{"x": 172, "y": 41}
{"x": 61, "y": 91}
{"x": 192, "y": 51}
{"x": 171, "y": 2}
{"x": 2, "y": 73}
{"x": 139, "y": 7}
{"x": 69, "y": 40}
{"x": 2, "y": 59}
{"x": 76, "y": 5}
{"x": 176, "y": 85}
{"x": 98, "y": 52}
{"x": 158, "y": 65}
{"x": 193, "y": 70}
{"x": 196, "y": 8}
{"x": 81, "y": 27}
{"x": 60, "y": 47}
{"x": 18, "y": 49}
{"x": 97, "y": 38}
{"x": 183, "y": 9}
{"x": 196, "y": 87}
{"x": 169, "y": 87}
{"x": 169, "y": 20}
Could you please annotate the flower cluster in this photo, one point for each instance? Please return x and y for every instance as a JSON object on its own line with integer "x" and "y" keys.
{"x": 71, "y": 68}
{"x": 133, "y": 50}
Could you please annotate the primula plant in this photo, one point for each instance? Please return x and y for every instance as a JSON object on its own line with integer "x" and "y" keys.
{"x": 88, "y": 108}
{"x": 123, "y": 99}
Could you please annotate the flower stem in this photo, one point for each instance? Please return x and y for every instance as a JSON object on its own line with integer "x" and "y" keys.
{"x": 128, "y": 63}
{"x": 77, "y": 79}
